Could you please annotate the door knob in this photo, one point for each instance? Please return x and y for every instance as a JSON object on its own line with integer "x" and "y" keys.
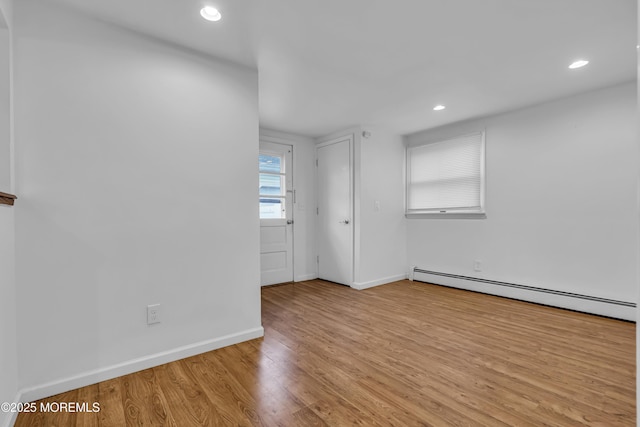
{"x": 346, "y": 221}
{"x": 289, "y": 221}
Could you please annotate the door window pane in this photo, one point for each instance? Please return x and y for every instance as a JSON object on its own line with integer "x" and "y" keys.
{"x": 271, "y": 208}
{"x": 271, "y": 185}
{"x": 270, "y": 163}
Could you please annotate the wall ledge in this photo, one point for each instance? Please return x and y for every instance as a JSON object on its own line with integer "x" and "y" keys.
{"x": 7, "y": 199}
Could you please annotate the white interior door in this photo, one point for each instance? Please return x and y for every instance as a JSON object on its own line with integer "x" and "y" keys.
{"x": 276, "y": 213}
{"x": 335, "y": 207}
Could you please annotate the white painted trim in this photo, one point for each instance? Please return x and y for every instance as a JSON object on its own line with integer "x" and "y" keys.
{"x": 370, "y": 284}
{"x": 285, "y": 137}
{"x": 353, "y": 130}
{"x": 103, "y": 374}
{"x": 304, "y": 277}
{"x": 562, "y": 301}
{"x": 411, "y": 273}
{"x": 446, "y": 215}
{"x": 13, "y": 416}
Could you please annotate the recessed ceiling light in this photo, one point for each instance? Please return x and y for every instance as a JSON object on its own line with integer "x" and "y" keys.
{"x": 210, "y": 13}
{"x": 578, "y": 64}
{"x": 439, "y": 107}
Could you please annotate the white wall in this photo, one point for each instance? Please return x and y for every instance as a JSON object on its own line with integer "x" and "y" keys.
{"x": 304, "y": 215}
{"x": 136, "y": 167}
{"x": 381, "y": 255}
{"x": 8, "y": 340}
{"x": 638, "y": 221}
{"x": 6, "y": 7}
{"x": 561, "y": 199}
{"x": 5, "y": 93}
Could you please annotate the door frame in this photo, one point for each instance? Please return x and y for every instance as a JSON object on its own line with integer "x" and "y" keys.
{"x": 351, "y": 138}
{"x": 290, "y": 170}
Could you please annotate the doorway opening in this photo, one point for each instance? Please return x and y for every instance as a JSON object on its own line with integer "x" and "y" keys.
{"x": 275, "y": 169}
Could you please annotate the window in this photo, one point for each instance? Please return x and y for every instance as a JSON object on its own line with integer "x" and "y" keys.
{"x": 272, "y": 186}
{"x": 446, "y": 177}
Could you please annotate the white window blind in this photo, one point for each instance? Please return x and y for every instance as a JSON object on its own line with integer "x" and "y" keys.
{"x": 446, "y": 176}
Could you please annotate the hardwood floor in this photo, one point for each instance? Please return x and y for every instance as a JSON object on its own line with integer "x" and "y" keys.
{"x": 403, "y": 354}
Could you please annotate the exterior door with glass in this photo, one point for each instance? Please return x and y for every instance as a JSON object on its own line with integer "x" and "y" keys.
{"x": 276, "y": 213}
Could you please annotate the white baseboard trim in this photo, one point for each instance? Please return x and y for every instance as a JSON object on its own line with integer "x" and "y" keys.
{"x": 587, "y": 304}
{"x": 370, "y": 284}
{"x": 95, "y": 376}
{"x": 304, "y": 277}
{"x": 12, "y": 416}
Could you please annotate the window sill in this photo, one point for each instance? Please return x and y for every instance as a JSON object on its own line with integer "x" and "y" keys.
{"x": 447, "y": 215}
{"x": 7, "y": 199}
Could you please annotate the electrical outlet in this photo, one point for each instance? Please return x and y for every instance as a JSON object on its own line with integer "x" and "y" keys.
{"x": 477, "y": 265}
{"x": 153, "y": 314}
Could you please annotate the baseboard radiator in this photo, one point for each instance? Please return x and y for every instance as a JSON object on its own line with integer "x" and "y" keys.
{"x": 586, "y": 303}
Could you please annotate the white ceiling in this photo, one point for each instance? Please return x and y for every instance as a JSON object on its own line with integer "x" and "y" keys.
{"x": 327, "y": 65}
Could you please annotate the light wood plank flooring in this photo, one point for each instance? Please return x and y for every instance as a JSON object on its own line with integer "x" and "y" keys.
{"x": 403, "y": 354}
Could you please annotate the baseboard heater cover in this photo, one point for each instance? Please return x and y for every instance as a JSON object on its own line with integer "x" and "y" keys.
{"x": 596, "y": 305}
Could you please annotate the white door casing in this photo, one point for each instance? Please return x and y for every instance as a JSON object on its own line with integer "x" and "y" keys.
{"x": 276, "y": 234}
{"x": 335, "y": 210}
